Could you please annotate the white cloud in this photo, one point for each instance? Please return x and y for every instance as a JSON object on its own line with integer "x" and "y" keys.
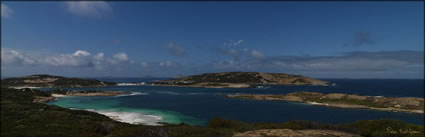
{"x": 233, "y": 43}
{"x": 81, "y": 53}
{"x": 99, "y": 56}
{"x": 144, "y": 64}
{"x": 79, "y": 58}
{"x": 166, "y": 64}
{"x": 121, "y": 56}
{"x": 6, "y": 11}
{"x": 64, "y": 60}
{"x": 256, "y": 54}
{"x": 16, "y": 57}
{"x": 385, "y": 64}
{"x": 88, "y": 8}
{"x": 81, "y": 63}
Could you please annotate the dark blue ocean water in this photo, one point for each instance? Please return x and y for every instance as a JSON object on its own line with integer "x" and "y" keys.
{"x": 198, "y": 105}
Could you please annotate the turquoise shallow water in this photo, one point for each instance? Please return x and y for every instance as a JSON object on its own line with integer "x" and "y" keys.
{"x": 110, "y": 104}
{"x": 196, "y": 106}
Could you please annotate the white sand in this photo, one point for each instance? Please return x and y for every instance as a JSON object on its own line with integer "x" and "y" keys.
{"x": 131, "y": 117}
{"x": 23, "y": 87}
{"x": 58, "y": 95}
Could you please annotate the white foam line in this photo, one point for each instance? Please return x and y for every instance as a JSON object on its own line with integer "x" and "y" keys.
{"x": 131, "y": 84}
{"x": 168, "y": 92}
{"x": 196, "y": 93}
{"x": 133, "y": 94}
{"x": 315, "y": 103}
{"x": 58, "y": 95}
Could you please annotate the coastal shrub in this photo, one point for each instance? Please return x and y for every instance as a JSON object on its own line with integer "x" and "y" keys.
{"x": 139, "y": 131}
{"x": 223, "y": 123}
{"x": 385, "y": 128}
{"x": 196, "y": 131}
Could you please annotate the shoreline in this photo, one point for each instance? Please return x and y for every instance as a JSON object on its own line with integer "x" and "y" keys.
{"x": 55, "y": 96}
{"x": 103, "y": 93}
{"x": 349, "y": 106}
{"x": 133, "y": 118}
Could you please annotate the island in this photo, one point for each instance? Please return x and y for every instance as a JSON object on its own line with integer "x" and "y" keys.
{"x": 339, "y": 100}
{"x": 240, "y": 80}
{"x": 47, "y": 81}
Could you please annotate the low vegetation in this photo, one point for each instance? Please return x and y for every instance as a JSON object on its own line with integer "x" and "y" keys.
{"x": 404, "y": 104}
{"x": 243, "y": 79}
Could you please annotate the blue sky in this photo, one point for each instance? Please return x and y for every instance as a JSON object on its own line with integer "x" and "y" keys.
{"x": 165, "y": 39}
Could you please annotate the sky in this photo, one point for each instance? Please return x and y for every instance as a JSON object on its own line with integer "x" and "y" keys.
{"x": 168, "y": 39}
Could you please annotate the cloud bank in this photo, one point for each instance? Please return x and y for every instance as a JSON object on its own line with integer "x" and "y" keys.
{"x": 360, "y": 64}
{"x": 79, "y": 58}
{"x": 82, "y": 63}
{"x": 353, "y": 64}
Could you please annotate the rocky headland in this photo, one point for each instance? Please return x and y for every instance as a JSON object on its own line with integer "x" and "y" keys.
{"x": 240, "y": 80}
{"x": 53, "y": 94}
{"x": 339, "y": 100}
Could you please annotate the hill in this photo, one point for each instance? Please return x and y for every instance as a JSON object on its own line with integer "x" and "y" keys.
{"x": 52, "y": 81}
{"x": 240, "y": 80}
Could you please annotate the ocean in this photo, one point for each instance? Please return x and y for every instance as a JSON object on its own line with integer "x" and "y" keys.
{"x": 195, "y": 106}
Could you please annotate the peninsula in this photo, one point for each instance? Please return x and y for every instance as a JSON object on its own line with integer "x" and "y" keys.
{"x": 240, "y": 80}
{"x": 53, "y": 94}
{"x": 44, "y": 80}
{"x": 339, "y": 100}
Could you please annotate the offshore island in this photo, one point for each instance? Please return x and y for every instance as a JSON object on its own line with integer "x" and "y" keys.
{"x": 339, "y": 100}
{"x": 240, "y": 80}
{"x": 25, "y": 112}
